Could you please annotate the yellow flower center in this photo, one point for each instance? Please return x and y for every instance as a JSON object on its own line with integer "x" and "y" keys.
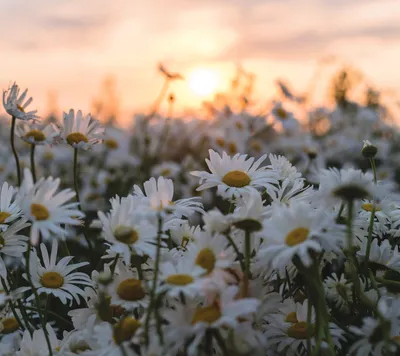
{"x": 9, "y": 325}
{"x": 206, "y": 259}
{"x": 131, "y": 290}
{"x": 40, "y": 212}
{"x": 282, "y": 113}
{"x": 126, "y": 235}
{"x": 76, "y": 137}
{"x": 125, "y": 330}
{"x": 185, "y": 241}
{"x": 369, "y": 207}
{"x": 239, "y": 126}
{"x": 396, "y": 338}
{"x": 299, "y": 330}
{"x": 110, "y": 144}
{"x": 209, "y": 314}
{"x": 236, "y": 179}
{"x": 256, "y": 146}
{"x": 79, "y": 347}
{"x": 220, "y": 142}
{"x": 179, "y": 279}
{"x": 165, "y": 172}
{"x": 37, "y": 135}
{"x": 52, "y": 280}
{"x": 3, "y": 216}
{"x": 20, "y": 108}
{"x": 291, "y": 318}
{"x": 48, "y": 156}
{"x": 232, "y": 148}
{"x": 296, "y": 236}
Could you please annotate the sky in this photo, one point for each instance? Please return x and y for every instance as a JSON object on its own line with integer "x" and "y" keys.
{"x": 64, "y": 49}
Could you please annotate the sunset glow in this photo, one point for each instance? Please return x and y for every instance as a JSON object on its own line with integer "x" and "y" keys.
{"x": 203, "y": 82}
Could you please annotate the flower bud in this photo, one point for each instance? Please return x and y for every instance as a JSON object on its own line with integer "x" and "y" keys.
{"x": 369, "y": 150}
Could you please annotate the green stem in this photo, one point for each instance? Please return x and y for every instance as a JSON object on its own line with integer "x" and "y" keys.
{"x": 371, "y": 221}
{"x": 33, "y": 167}
{"x": 12, "y": 135}
{"x": 19, "y": 303}
{"x": 37, "y": 299}
{"x": 247, "y": 258}
{"x": 238, "y": 253}
{"x": 369, "y": 240}
{"x": 76, "y": 177}
{"x": 155, "y": 278}
{"x": 13, "y": 309}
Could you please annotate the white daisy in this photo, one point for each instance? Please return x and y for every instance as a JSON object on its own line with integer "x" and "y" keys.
{"x": 9, "y": 209}
{"x": 295, "y": 231}
{"x": 127, "y": 230}
{"x": 159, "y": 195}
{"x": 338, "y": 291}
{"x": 113, "y": 338}
{"x": 336, "y": 185}
{"x": 235, "y": 175}
{"x": 47, "y": 210}
{"x": 81, "y": 131}
{"x": 56, "y": 278}
{"x": 289, "y": 336}
{"x": 383, "y": 256}
{"x": 283, "y": 167}
{"x": 36, "y": 344}
{"x": 193, "y": 319}
{"x": 181, "y": 275}
{"x": 126, "y": 290}
{"x": 37, "y": 134}
{"x": 15, "y": 106}
{"x": 12, "y": 244}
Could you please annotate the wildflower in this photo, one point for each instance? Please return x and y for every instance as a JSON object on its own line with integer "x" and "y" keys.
{"x": 15, "y": 104}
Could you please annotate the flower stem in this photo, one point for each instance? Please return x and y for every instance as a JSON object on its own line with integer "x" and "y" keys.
{"x": 13, "y": 309}
{"x": 37, "y": 299}
{"x": 33, "y": 167}
{"x": 247, "y": 258}
{"x": 154, "y": 286}
{"x": 238, "y": 253}
{"x": 371, "y": 221}
{"x": 12, "y": 135}
{"x": 76, "y": 177}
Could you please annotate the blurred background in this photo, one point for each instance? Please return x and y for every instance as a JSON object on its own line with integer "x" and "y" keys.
{"x": 95, "y": 53}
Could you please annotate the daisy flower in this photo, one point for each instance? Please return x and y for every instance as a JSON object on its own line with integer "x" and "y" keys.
{"x": 36, "y": 134}
{"x": 184, "y": 233}
{"x": 15, "y": 104}
{"x": 338, "y": 291}
{"x": 283, "y": 167}
{"x": 127, "y": 230}
{"x": 336, "y": 185}
{"x": 192, "y": 319}
{"x": 181, "y": 275}
{"x": 289, "y": 336}
{"x": 46, "y": 209}
{"x": 56, "y": 278}
{"x": 12, "y": 244}
{"x": 295, "y": 231}
{"x": 9, "y": 209}
{"x": 159, "y": 195}
{"x": 383, "y": 256}
{"x": 112, "y": 338}
{"x": 210, "y": 251}
{"x": 234, "y": 175}
{"x": 36, "y": 344}
{"x": 126, "y": 290}
{"x": 81, "y": 131}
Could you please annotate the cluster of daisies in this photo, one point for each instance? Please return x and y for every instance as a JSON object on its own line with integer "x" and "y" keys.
{"x": 239, "y": 254}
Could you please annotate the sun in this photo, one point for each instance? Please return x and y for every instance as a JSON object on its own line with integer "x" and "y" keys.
{"x": 203, "y": 81}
